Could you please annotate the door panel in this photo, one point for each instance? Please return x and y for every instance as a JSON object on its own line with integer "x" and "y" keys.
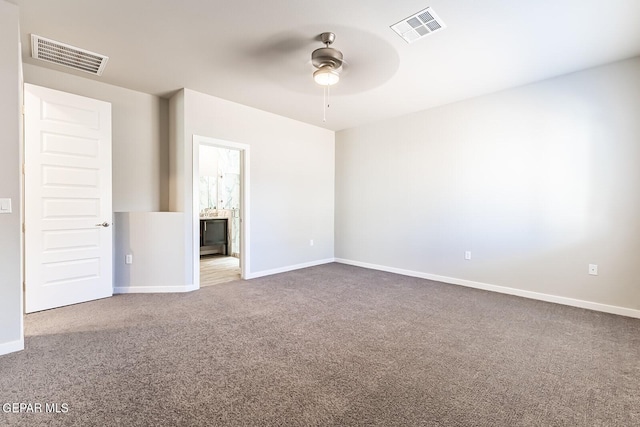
{"x": 68, "y": 251}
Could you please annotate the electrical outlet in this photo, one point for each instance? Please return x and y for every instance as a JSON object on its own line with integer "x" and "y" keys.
{"x": 128, "y": 259}
{"x": 311, "y": 242}
{"x": 467, "y": 255}
{"x": 593, "y": 269}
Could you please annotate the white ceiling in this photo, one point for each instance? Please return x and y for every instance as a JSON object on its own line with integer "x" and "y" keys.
{"x": 258, "y": 53}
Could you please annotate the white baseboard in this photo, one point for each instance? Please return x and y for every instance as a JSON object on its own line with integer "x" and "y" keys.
{"x": 605, "y": 308}
{"x": 153, "y": 289}
{"x": 288, "y": 268}
{"x": 11, "y": 347}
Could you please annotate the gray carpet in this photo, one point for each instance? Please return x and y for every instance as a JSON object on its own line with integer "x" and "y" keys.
{"x": 332, "y": 345}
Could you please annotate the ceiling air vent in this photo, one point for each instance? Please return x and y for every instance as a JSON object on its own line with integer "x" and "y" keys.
{"x": 69, "y": 56}
{"x": 419, "y": 25}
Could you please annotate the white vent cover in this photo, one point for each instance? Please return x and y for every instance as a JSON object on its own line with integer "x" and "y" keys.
{"x": 69, "y": 56}
{"x": 419, "y": 25}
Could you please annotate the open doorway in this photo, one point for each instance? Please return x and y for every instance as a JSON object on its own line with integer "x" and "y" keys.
{"x": 219, "y": 188}
{"x": 220, "y": 206}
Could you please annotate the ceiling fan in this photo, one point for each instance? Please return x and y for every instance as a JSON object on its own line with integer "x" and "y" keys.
{"x": 328, "y": 62}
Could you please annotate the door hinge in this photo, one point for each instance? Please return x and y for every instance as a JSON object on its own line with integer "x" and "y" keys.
{"x": 23, "y": 109}
{"x": 23, "y": 168}
{"x": 24, "y": 228}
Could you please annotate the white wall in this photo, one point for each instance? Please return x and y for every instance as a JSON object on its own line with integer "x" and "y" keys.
{"x": 292, "y": 176}
{"x": 11, "y": 336}
{"x": 537, "y": 182}
{"x": 150, "y": 237}
{"x": 140, "y": 138}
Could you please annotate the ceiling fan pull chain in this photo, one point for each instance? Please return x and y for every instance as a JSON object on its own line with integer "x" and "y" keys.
{"x": 324, "y": 104}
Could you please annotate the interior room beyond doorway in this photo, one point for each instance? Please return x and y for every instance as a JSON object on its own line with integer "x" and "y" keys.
{"x": 219, "y": 214}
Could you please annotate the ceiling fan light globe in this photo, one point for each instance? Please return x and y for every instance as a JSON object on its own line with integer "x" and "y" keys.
{"x": 326, "y": 76}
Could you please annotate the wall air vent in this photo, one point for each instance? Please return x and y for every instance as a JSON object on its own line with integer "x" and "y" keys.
{"x": 419, "y": 25}
{"x": 69, "y": 56}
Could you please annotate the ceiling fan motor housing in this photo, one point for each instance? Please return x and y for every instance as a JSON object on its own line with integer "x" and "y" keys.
{"x": 327, "y": 56}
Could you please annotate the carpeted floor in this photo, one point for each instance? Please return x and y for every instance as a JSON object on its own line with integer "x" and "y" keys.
{"x": 332, "y": 345}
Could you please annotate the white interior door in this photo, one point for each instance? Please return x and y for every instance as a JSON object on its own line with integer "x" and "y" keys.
{"x": 68, "y": 214}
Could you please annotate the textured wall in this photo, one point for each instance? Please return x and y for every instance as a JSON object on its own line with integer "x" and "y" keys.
{"x": 140, "y": 138}
{"x": 291, "y": 177}
{"x": 150, "y": 238}
{"x": 537, "y": 182}
{"x": 10, "y": 249}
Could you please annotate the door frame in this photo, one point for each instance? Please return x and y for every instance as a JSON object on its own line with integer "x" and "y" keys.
{"x": 245, "y": 241}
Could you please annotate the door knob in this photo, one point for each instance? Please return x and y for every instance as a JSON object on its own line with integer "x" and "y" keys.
{"x": 104, "y": 224}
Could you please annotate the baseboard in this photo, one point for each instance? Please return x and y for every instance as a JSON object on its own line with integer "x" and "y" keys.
{"x": 11, "y": 347}
{"x": 289, "y": 268}
{"x": 153, "y": 289}
{"x": 605, "y": 308}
